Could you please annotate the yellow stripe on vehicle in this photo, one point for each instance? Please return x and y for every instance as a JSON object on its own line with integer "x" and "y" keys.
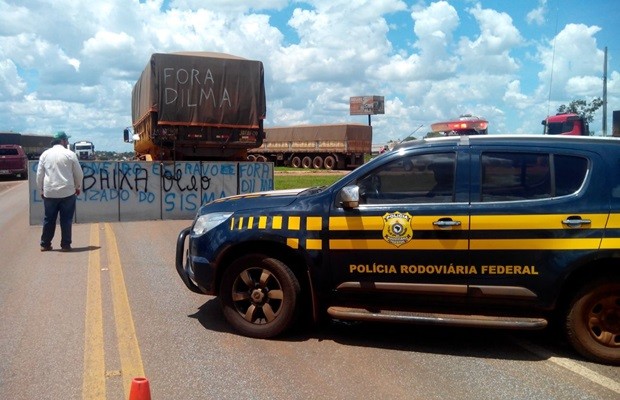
{"x": 614, "y": 221}
{"x": 610, "y": 243}
{"x": 293, "y": 243}
{"x": 314, "y": 244}
{"x": 294, "y": 223}
{"x": 537, "y": 221}
{"x": 314, "y": 223}
{"x": 380, "y": 244}
{"x": 376, "y": 223}
{"x": 536, "y": 244}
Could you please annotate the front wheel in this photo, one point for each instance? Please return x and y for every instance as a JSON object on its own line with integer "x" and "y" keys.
{"x": 593, "y": 322}
{"x": 259, "y": 296}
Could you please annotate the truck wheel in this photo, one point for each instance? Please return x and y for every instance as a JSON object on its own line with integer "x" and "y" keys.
{"x": 251, "y": 158}
{"x": 259, "y": 296}
{"x": 593, "y": 321}
{"x": 261, "y": 158}
{"x": 306, "y": 162}
{"x": 296, "y": 162}
{"x": 317, "y": 162}
{"x": 330, "y": 162}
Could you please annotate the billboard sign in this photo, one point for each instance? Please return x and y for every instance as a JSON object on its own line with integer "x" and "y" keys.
{"x": 366, "y": 105}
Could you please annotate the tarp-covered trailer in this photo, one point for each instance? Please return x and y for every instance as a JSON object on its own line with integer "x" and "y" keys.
{"x": 198, "y": 106}
{"x": 329, "y": 146}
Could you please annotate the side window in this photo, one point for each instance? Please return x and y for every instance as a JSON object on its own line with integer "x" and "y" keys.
{"x": 515, "y": 176}
{"x": 422, "y": 178}
{"x": 570, "y": 172}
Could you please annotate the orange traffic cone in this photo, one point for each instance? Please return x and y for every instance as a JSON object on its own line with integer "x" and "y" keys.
{"x": 140, "y": 389}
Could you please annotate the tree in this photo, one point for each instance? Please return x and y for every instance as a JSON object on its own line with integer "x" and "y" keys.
{"x": 581, "y": 107}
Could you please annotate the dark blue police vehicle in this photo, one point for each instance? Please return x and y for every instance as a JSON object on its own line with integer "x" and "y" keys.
{"x": 473, "y": 231}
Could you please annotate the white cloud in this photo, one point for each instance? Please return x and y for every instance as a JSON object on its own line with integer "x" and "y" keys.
{"x": 490, "y": 51}
{"x": 514, "y": 97}
{"x": 71, "y": 65}
{"x": 11, "y": 84}
{"x": 537, "y": 15}
{"x": 568, "y": 60}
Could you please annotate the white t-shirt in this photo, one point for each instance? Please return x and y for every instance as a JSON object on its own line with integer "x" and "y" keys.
{"x": 59, "y": 173}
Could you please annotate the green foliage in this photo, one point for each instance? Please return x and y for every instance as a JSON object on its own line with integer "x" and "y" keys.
{"x": 581, "y": 107}
{"x": 296, "y": 181}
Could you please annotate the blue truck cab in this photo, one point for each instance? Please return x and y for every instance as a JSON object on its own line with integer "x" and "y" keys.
{"x": 502, "y": 231}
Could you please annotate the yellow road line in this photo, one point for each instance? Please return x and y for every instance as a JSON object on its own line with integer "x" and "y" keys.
{"x": 129, "y": 351}
{"x": 93, "y": 387}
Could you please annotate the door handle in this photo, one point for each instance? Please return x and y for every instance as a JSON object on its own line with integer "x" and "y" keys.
{"x": 446, "y": 223}
{"x": 576, "y": 221}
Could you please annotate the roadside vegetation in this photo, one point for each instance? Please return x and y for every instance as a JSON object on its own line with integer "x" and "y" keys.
{"x": 294, "y": 178}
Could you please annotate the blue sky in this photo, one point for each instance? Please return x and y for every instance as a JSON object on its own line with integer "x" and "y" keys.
{"x": 67, "y": 65}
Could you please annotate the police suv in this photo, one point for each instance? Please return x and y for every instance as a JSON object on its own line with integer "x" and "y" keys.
{"x": 484, "y": 231}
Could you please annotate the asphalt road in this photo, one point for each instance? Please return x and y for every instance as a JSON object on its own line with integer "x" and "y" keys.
{"x": 83, "y": 324}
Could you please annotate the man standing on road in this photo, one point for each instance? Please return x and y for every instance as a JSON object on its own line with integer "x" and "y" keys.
{"x": 59, "y": 178}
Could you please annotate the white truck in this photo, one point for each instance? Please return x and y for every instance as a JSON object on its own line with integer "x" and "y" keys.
{"x": 85, "y": 150}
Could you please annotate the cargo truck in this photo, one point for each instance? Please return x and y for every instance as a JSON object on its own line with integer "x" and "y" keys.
{"x": 328, "y": 146}
{"x": 197, "y": 106}
{"x": 33, "y": 145}
{"x": 84, "y": 149}
{"x": 566, "y": 124}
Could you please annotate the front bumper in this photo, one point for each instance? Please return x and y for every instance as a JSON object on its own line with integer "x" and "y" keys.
{"x": 182, "y": 262}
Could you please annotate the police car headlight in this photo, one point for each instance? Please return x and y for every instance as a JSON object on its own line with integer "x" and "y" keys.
{"x": 206, "y": 222}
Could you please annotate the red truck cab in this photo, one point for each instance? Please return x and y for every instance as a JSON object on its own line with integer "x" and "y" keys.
{"x": 566, "y": 124}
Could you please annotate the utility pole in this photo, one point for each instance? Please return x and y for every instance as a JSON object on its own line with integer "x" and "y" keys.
{"x": 605, "y": 94}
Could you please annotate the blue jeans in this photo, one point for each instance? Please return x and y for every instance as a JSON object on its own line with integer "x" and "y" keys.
{"x": 66, "y": 208}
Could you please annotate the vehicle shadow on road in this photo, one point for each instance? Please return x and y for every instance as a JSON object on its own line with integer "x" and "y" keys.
{"x": 452, "y": 341}
{"x": 210, "y": 317}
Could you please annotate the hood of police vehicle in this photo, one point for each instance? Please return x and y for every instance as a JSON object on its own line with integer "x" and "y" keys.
{"x": 262, "y": 200}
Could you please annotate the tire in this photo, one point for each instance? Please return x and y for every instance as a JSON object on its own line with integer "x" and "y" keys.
{"x": 296, "y": 162}
{"x": 261, "y": 158}
{"x": 252, "y": 158}
{"x": 329, "y": 162}
{"x": 593, "y": 321}
{"x": 306, "y": 162}
{"x": 259, "y": 296}
{"x": 317, "y": 162}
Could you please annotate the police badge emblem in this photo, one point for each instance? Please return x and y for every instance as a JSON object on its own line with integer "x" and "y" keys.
{"x": 397, "y": 228}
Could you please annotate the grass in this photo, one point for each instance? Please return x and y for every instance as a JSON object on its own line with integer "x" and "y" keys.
{"x": 306, "y": 179}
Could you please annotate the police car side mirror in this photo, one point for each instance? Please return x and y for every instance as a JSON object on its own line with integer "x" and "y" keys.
{"x": 350, "y": 196}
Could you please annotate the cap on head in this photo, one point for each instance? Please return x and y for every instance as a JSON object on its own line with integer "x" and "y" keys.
{"x": 61, "y": 135}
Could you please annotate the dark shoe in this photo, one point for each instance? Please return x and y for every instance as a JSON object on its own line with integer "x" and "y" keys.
{"x": 46, "y": 248}
{"x": 65, "y": 248}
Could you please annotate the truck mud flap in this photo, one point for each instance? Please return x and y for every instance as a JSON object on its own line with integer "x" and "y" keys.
{"x": 180, "y": 257}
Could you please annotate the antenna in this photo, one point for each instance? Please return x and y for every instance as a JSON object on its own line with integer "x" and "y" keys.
{"x": 412, "y": 133}
{"x": 555, "y": 35}
{"x": 605, "y": 95}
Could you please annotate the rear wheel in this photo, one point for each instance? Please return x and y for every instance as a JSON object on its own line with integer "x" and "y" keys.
{"x": 593, "y": 322}
{"x": 306, "y": 162}
{"x": 296, "y": 162}
{"x": 330, "y": 162}
{"x": 317, "y": 162}
{"x": 259, "y": 296}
